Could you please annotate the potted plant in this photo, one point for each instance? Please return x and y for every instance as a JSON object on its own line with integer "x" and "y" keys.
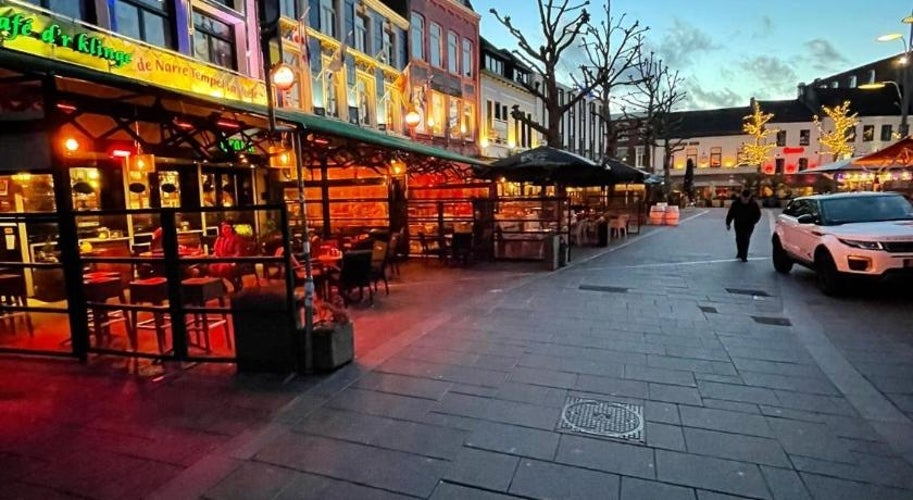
{"x": 334, "y": 336}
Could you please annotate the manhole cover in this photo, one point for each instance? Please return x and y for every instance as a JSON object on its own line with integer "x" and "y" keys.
{"x": 602, "y": 418}
{"x": 708, "y": 309}
{"x": 748, "y": 291}
{"x": 766, "y": 320}
{"x": 599, "y": 288}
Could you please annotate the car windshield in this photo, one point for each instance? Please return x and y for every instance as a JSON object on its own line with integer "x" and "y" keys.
{"x": 865, "y": 209}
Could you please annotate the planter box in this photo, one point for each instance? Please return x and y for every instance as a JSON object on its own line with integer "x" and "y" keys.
{"x": 334, "y": 345}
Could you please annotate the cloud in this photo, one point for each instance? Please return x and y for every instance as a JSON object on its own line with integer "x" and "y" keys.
{"x": 700, "y": 98}
{"x": 764, "y": 28}
{"x": 823, "y": 57}
{"x": 773, "y": 77}
{"x": 684, "y": 44}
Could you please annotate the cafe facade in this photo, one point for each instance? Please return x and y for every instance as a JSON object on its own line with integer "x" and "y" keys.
{"x": 119, "y": 163}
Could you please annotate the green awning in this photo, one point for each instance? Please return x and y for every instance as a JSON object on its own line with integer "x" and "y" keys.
{"x": 26, "y": 63}
{"x": 346, "y": 130}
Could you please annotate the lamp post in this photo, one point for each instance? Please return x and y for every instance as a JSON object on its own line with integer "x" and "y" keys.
{"x": 906, "y": 72}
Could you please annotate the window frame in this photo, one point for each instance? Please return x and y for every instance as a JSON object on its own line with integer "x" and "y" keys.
{"x": 781, "y": 138}
{"x": 467, "y": 56}
{"x": 438, "y": 42}
{"x": 231, "y": 39}
{"x": 328, "y": 17}
{"x": 887, "y": 127}
{"x": 868, "y": 133}
{"x": 144, "y": 9}
{"x": 453, "y": 59}
{"x": 417, "y": 35}
{"x": 805, "y": 137}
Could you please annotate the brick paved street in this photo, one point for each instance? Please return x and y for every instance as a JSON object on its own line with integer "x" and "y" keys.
{"x": 752, "y": 385}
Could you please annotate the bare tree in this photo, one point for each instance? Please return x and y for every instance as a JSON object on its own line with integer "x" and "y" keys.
{"x": 615, "y": 45}
{"x": 657, "y": 94}
{"x": 562, "y": 25}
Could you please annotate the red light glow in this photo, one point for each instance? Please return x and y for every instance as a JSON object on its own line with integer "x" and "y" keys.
{"x": 121, "y": 153}
{"x": 228, "y": 124}
{"x": 792, "y": 151}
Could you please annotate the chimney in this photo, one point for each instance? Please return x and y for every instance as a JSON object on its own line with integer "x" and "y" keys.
{"x": 801, "y": 90}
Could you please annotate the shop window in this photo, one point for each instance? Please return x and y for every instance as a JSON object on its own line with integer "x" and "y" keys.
{"x": 170, "y": 189}
{"x": 468, "y": 128}
{"x": 691, "y": 155}
{"x": 868, "y": 133}
{"x": 453, "y": 56}
{"x": 438, "y": 113}
{"x": 365, "y": 101}
{"x": 146, "y": 20}
{"x": 25, "y": 192}
{"x": 716, "y": 157}
{"x": 85, "y": 188}
{"x": 468, "y": 61}
{"x": 453, "y": 119}
{"x": 780, "y": 165}
{"x": 418, "y": 37}
{"x": 435, "y": 45}
{"x": 214, "y": 41}
{"x": 77, "y": 9}
{"x": 804, "y": 137}
{"x": 803, "y": 164}
{"x": 328, "y": 17}
{"x": 781, "y": 138}
{"x": 886, "y": 133}
{"x": 330, "y": 91}
{"x": 489, "y": 115}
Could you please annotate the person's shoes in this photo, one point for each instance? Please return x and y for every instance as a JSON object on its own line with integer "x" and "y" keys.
{"x": 744, "y": 259}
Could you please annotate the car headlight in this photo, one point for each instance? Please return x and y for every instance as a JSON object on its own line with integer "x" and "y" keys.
{"x": 865, "y": 245}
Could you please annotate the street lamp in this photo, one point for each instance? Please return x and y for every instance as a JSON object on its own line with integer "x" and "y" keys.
{"x": 907, "y": 78}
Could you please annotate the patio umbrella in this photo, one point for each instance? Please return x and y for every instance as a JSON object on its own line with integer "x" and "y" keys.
{"x": 899, "y": 154}
{"x": 830, "y": 168}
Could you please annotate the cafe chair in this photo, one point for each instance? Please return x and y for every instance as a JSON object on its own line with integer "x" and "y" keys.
{"x": 618, "y": 226}
{"x": 430, "y": 248}
{"x": 461, "y": 248}
{"x": 393, "y": 253}
{"x": 379, "y": 256}
{"x": 355, "y": 273}
{"x": 12, "y": 293}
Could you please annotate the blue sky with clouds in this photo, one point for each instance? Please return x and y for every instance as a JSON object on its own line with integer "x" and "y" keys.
{"x": 731, "y": 50}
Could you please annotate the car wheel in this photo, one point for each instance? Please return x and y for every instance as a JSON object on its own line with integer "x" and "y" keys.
{"x": 829, "y": 279}
{"x": 783, "y": 264}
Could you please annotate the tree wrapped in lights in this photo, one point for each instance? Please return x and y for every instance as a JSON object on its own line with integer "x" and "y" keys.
{"x": 838, "y": 141}
{"x": 755, "y": 126}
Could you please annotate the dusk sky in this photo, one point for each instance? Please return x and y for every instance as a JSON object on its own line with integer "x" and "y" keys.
{"x": 731, "y": 50}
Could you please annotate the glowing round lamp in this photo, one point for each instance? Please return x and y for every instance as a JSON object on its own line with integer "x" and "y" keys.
{"x": 413, "y": 118}
{"x": 71, "y": 144}
{"x": 283, "y": 77}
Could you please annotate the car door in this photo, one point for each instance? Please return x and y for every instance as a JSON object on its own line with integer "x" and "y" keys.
{"x": 806, "y": 236}
{"x": 788, "y": 225}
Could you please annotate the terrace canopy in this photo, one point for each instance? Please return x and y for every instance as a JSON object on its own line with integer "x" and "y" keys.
{"x": 547, "y": 165}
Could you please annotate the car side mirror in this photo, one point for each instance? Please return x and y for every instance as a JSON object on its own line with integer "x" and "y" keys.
{"x": 806, "y": 219}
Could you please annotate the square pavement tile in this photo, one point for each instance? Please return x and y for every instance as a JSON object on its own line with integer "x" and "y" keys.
{"x": 736, "y": 446}
{"x": 537, "y": 479}
{"x": 715, "y": 474}
{"x": 514, "y": 440}
{"x": 608, "y": 456}
{"x": 639, "y": 489}
{"x": 485, "y": 469}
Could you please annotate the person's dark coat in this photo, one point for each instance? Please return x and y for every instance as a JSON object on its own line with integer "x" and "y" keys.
{"x": 744, "y": 215}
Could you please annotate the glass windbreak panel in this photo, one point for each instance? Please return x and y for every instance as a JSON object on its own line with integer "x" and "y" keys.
{"x": 85, "y": 184}
{"x": 33, "y": 300}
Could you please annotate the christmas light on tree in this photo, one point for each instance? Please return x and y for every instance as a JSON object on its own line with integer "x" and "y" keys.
{"x": 838, "y": 141}
{"x": 755, "y": 125}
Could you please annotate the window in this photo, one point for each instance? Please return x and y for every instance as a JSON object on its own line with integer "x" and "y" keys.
{"x": 851, "y": 134}
{"x": 803, "y": 164}
{"x": 468, "y": 128}
{"x": 780, "y": 165}
{"x": 453, "y": 53}
{"x": 289, "y": 8}
{"x": 468, "y": 61}
{"x": 622, "y": 154}
{"x": 387, "y": 50}
{"x": 716, "y": 157}
{"x": 497, "y": 111}
{"x": 639, "y": 152}
{"x": 145, "y": 20}
{"x": 418, "y": 37}
{"x": 328, "y": 17}
{"x": 214, "y": 41}
{"x": 70, "y": 8}
{"x": 868, "y": 133}
{"x": 852, "y": 83}
{"x": 435, "y": 48}
{"x": 804, "y": 137}
{"x": 489, "y": 116}
{"x": 691, "y": 155}
{"x": 781, "y": 138}
{"x": 886, "y": 132}
{"x": 361, "y": 33}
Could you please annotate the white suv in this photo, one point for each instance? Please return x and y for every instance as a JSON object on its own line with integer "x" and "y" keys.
{"x": 847, "y": 234}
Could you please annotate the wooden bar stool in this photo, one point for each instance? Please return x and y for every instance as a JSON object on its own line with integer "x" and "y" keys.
{"x": 100, "y": 290}
{"x": 197, "y": 292}
{"x": 153, "y": 291}
{"x": 12, "y": 293}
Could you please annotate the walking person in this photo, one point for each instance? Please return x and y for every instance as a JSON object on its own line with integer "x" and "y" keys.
{"x": 745, "y": 213}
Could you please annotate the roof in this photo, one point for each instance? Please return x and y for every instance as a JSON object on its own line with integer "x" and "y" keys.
{"x": 711, "y": 122}
{"x": 308, "y": 121}
{"x": 879, "y": 102}
{"x": 791, "y": 111}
